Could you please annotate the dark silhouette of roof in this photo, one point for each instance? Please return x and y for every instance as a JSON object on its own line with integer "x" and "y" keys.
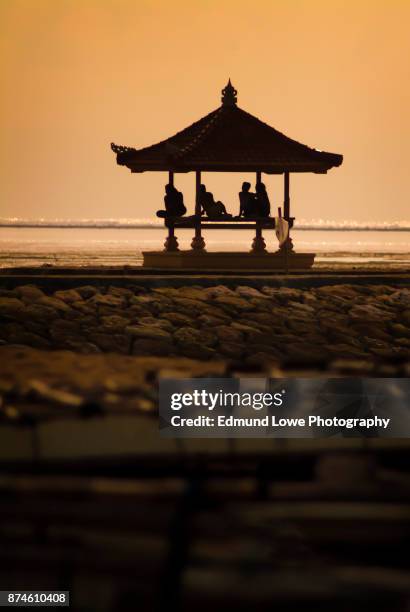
{"x": 228, "y": 139}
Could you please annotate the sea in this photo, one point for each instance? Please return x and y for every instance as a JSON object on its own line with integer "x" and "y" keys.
{"x": 118, "y": 242}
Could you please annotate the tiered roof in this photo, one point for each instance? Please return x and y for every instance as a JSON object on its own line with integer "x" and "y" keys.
{"x": 227, "y": 139}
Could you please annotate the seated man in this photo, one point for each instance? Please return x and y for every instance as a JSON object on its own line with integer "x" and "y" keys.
{"x": 247, "y": 201}
{"x": 174, "y": 203}
{"x": 212, "y": 209}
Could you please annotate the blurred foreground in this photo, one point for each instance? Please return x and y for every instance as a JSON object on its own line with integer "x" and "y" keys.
{"x": 95, "y": 502}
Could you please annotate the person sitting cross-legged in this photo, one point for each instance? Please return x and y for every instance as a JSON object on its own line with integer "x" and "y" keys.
{"x": 212, "y": 209}
{"x": 174, "y": 203}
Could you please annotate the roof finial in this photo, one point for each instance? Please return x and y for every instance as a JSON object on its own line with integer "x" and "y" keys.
{"x": 229, "y": 95}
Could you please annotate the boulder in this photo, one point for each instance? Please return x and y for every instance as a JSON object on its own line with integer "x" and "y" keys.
{"x": 156, "y": 322}
{"x": 150, "y": 346}
{"x": 87, "y": 291}
{"x": 302, "y": 326}
{"x": 337, "y": 328}
{"x": 309, "y": 297}
{"x": 344, "y": 291}
{"x": 191, "y": 305}
{"x": 257, "y": 325}
{"x": 250, "y": 292}
{"x": 404, "y": 317}
{"x": 10, "y": 330}
{"x": 369, "y": 312}
{"x": 401, "y": 297}
{"x": 194, "y": 293}
{"x": 218, "y": 291}
{"x": 60, "y": 330}
{"x": 177, "y": 319}
{"x": 373, "y": 343}
{"x": 122, "y": 292}
{"x": 233, "y": 304}
{"x": 29, "y": 293}
{"x": 148, "y": 331}
{"x": 228, "y": 334}
{"x": 209, "y": 321}
{"x": 40, "y": 312}
{"x": 68, "y": 295}
{"x": 315, "y": 339}
{"x": 261, "y": 304}
{"x": 137, "y": 312}
{"x": 169, "y": 292}
{"x": 266, "y": 318}
{"x": 338, "y": 336}
{"x": 41, "y": 328}
{"x": 245, "y": 328}
{"x": 107, "y": 300}
{"x": 54, "y": 303}
{"x": 84, "y": 308}
{"x": 10, "y": 305}
{"x": 283, "y": 295}
{"x": 149, "y": 298}
{"x": 191, "y": 336}
{"x": 27, "y": 338}
{"x": 371, "y": 330}
{"x": 114, "y": 323}
{"x": 400, "y": 331}
{"x": 9, "y": 293}
{"x": 301, "y": 307}
{"x": 231, "y": 349}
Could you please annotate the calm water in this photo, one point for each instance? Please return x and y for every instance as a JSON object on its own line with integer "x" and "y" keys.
{"x": 61, "y": 246}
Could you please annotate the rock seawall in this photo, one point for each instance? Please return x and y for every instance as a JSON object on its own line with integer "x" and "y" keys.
{"x": 246, "y": 326}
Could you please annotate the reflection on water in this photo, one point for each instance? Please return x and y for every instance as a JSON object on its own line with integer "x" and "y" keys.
{"x": 62, "y": 246}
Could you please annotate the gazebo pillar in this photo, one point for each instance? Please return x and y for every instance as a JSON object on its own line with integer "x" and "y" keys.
{"x": 258, "y": 244}
{"x": 258, "y": 177}
{"x": 171, "y": 178}
{"x": 198, "y": 243}
{"x": 286, "y": 198}
{"x": 286, "y": 210}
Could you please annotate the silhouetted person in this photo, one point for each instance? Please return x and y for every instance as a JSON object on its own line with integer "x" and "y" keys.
{"x": 247, "y": 201}
{"x": 262, "y": 201}
{"x": 174, "y": 203}
{"x": 212, "y": 209}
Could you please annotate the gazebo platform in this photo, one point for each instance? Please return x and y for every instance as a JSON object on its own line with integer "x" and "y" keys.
{"x": 202, "y": 260}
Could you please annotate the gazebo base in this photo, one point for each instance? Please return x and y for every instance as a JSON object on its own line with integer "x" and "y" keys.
{"x": 202, "y": 260}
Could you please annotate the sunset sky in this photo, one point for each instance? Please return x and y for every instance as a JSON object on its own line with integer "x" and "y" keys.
{"x": 78, "y": 74}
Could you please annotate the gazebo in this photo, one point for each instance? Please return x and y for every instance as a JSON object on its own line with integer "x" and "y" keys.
{"x": 227, "y": 140}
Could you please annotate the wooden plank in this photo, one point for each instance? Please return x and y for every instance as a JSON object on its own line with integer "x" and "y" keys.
{"x": 232, "y": 224}
{"x": 251, "y": 226}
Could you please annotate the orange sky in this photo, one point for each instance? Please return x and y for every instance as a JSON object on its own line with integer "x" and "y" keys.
{"x": 78, "y": 74}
